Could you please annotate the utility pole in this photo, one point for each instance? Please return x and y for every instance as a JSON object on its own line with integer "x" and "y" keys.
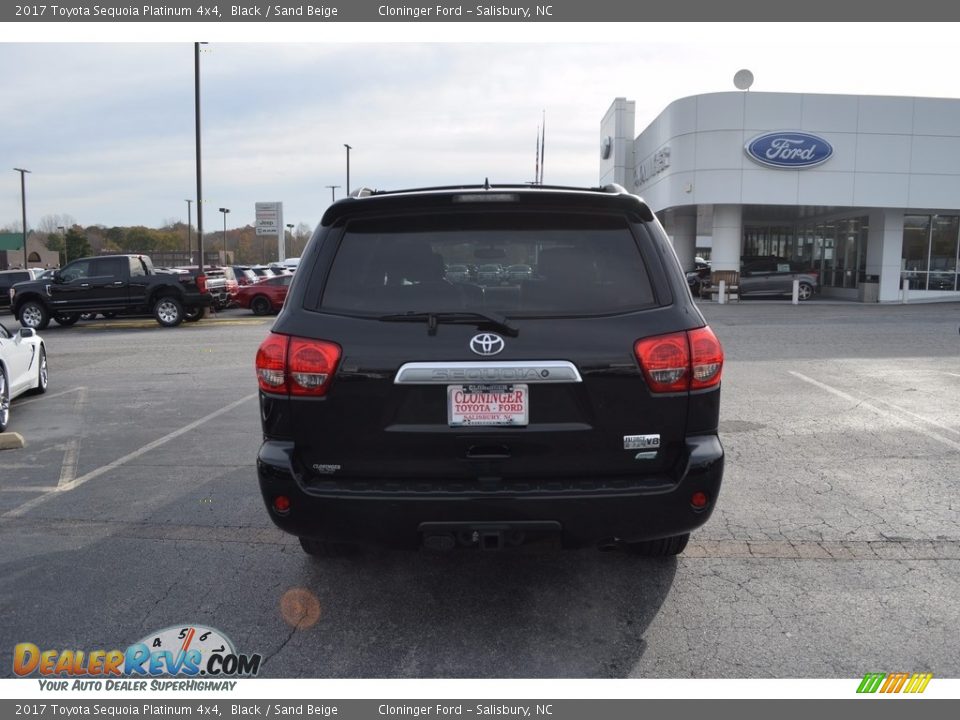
{"x": 23, "y": 202}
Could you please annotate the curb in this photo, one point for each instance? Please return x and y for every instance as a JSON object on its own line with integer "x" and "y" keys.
{"x": 11, "y": 441}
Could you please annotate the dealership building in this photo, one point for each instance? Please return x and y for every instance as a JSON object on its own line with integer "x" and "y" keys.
{"x": 865, "y": 190}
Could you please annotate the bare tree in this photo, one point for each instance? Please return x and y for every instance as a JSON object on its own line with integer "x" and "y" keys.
{"x": 51, "y": 223}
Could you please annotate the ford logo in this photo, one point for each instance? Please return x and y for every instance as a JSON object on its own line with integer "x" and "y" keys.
{"x": 487, "y": 344}
{"x": 789, "y": 150}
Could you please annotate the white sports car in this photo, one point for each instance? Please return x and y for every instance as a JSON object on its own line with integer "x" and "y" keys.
{"x": 23, "y": 367}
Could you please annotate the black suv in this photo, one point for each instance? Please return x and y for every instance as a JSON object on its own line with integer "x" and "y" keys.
{"x": 577, "y": 403}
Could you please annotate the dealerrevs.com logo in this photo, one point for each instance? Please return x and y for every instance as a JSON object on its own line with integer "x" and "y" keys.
{"x": 181, "y": 651}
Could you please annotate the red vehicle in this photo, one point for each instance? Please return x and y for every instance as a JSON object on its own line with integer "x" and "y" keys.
{"x": 266, "y": 296}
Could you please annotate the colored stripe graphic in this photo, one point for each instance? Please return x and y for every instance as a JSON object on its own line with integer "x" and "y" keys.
{"x": 918, "y": 683}
{"x": 894, "y": 682}
{"x": 871, "y": 682}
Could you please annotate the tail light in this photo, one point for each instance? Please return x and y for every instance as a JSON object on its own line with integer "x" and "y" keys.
{"x": 202, "y": 283}
{"x": 691, "y": 360}
{"x": 706, "y": 358}
{"x": 665, "y": 360}
{"x": 296, "y": 366}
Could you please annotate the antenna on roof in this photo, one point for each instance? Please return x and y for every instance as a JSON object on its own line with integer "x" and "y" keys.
{"x": 486, "y": 183}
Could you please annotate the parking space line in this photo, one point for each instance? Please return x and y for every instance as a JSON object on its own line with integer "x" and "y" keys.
{"x": 896, "y": 417}
{"x": 26, "y": 488}
{"x": 49, "y": 396}
{"x": 68, "y": 469}
{"x": 77, "y": 482}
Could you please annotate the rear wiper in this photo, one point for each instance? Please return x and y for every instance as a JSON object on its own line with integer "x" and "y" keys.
{"x": 496, "y": 320}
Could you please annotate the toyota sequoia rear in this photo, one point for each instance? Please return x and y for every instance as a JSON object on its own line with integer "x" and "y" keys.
{"x": 408, "y": 402}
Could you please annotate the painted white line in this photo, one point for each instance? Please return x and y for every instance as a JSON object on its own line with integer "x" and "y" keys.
{"x": 895, "y": 417}
{"x": 50, "y": 396}
{"x": 74, "y": 484}
{"x": 27, "y": 488}
{"x": 950, "y": 373}
{"x": 68, "y": 469}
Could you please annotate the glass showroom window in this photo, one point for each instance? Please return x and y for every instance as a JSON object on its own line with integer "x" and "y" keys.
{"x": 930, "y": 247}
{"x": 943, "y": 252}
{"x": 915, "y": 258}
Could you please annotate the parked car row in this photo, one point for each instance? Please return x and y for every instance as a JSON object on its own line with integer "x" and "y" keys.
{"x": 488, "y": 274}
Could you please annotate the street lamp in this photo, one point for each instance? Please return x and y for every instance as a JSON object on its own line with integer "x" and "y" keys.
{"x": 189, "y": 229}
{"x": 196, "y": 100}
{"x": 348, "y": 166}
{"x": 332, "y": 194}
{"x": 63, "y": 239}
{"x": 290, "y": 228}
{"x": 23, "y": 201}
{"x": 224, "y": 211}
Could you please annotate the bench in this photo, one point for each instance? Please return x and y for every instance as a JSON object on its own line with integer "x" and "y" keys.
{"x": 731, "y": 281}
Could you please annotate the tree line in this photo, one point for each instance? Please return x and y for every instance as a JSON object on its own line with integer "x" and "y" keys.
{"x": 71, "y": 240}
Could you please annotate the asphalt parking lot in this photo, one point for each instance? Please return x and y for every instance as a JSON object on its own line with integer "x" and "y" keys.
{"x": 834, "y": 551}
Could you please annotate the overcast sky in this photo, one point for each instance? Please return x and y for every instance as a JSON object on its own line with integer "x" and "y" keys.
{"x": 107, "y": 128}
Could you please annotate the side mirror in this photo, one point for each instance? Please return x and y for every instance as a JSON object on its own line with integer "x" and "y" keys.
{"x": 26, "y": 332}
{"x": 57, "y": 277}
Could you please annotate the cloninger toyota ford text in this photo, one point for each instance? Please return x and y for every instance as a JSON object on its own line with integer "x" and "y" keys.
{"x": 411, "y": 397}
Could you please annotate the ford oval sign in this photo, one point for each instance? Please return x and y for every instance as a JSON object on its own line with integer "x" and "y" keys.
{"x": 789, "y": 149}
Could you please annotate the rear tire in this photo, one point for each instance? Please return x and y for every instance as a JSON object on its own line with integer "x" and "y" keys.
{"x": 326, "y": 548}
{"x": 260, "y": 305}
{"x": 194, "y": 313}
{"x": 662, "y": 547}
{"x": 805, "y": 291}
{"x": 34, "y": 315}
{"x": 168, "y": 311}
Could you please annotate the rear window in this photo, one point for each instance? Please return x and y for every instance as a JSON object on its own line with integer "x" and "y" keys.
{"x": 513, "y": 263}
{"x": 9, "y": 279}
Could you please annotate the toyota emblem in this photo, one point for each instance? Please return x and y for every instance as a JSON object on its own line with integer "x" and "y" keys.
{"x": 486, "y": 344}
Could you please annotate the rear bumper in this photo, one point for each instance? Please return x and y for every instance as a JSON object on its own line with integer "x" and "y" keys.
{"x": 585, "y": 511}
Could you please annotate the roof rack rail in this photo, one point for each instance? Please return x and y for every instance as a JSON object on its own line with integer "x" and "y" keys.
{"x": 614, "y": 188}
{"x": 610, "y": 188}
{"x": 363, "y": 192}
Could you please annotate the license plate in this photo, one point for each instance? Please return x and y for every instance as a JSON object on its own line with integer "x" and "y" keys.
{"x": 488, "y": 405}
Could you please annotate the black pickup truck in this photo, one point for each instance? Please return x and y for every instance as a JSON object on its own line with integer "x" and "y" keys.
{"x": 110, "y": 284}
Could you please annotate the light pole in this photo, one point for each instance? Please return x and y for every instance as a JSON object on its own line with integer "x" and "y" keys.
{"x": 196, "y": 94}
{"x": 332, "y": 189}
{"x": 63, "y": 240}
{"x": 290, "y": 228}
{"x": 189, "y": 229}
{"x": 224, "y": 211}
{"x": 348, "y": 166}
{"x": 23, "y": 202}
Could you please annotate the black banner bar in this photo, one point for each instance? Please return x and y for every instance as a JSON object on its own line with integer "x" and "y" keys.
{"x": 860, "y": 13}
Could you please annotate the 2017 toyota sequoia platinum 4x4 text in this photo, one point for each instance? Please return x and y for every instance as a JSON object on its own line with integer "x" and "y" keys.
{"x": 407, "y": 402}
